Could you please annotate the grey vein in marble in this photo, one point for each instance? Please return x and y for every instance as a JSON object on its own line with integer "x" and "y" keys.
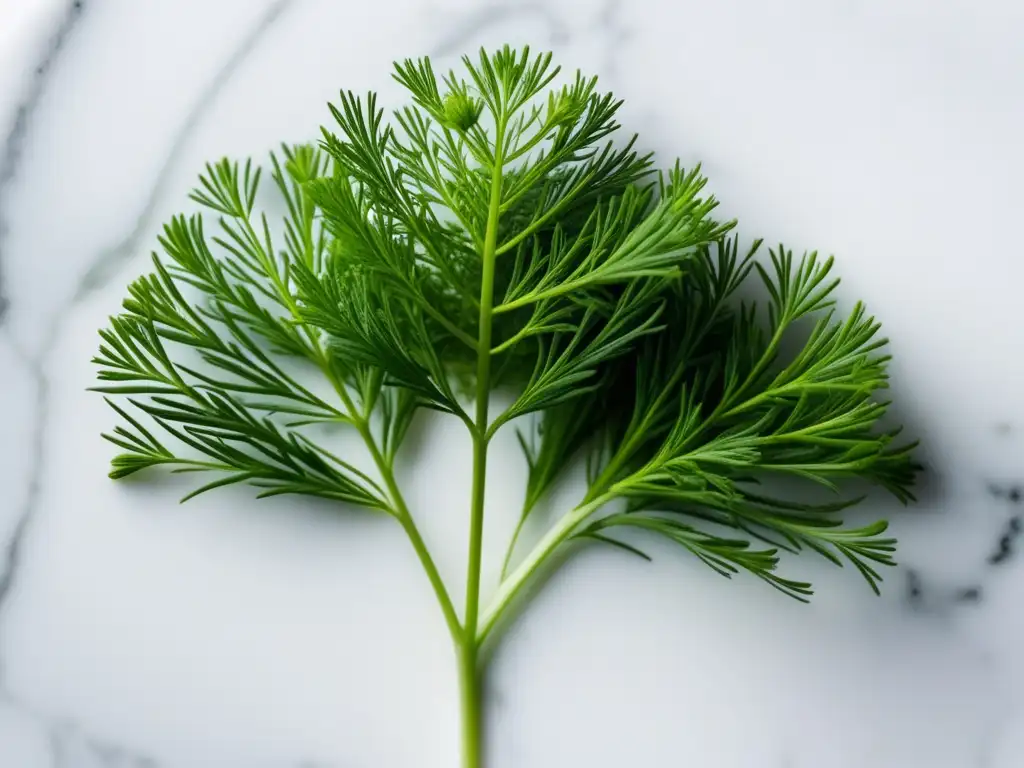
{"x": 10, "y": 155}
{"x": 68, "y": 746}
{"x": 111, "y": 259}
{"x": 71, "y": 747}
{"x": 12, "y": 551}
{"x": 101, "y": 268}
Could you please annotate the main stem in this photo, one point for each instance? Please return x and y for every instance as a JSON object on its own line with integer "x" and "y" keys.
{"x": 468, "y": 650}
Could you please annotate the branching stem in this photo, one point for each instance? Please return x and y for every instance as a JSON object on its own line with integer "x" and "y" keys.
{"x": 514, "y": 584}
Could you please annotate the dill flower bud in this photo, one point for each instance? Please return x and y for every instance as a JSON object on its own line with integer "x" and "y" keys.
{"x": 461, "y": 111}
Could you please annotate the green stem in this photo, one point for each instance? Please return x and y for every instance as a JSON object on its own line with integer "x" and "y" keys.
{"x": 511, "y": 587}
{"x": 387, "y": 474}
{"x": 468, "y": 662}
{"x": 476, "y": 523}
{"x": 527, "y": 508}
{"x": 465, "y": 644}
{"x": 419, "y": 546}
{"x": 471, "y": 709}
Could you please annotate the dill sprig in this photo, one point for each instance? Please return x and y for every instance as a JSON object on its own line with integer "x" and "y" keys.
{"x": 497, "y": 232}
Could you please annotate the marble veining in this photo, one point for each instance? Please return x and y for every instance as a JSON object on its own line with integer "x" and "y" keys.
{"x": 136, "y": 634}
{"x": 10, "y": 155}
{"x": 67, "y": 746}
{"x": 106, "y": 263}
{"x": 9, "y": 166}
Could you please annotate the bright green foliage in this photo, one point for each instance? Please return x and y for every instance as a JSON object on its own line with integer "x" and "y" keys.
{"x": 497, "y": 233}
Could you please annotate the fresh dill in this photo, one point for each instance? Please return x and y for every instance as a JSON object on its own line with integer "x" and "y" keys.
{"x": 497, "y": 232}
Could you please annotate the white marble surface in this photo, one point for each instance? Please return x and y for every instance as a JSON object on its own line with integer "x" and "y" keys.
{"x": 223, "y": 634}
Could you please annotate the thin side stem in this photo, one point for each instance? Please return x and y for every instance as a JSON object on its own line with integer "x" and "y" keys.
{"x": 512, "y": 586}
{"x": 514, "y": 540}
{"x": 418, "y": 545}
{"x": 401, "y": 510}
{"x": 387, "y": 474}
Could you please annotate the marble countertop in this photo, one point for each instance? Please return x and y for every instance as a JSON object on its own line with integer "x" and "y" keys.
{"x": 134, "y": 632}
